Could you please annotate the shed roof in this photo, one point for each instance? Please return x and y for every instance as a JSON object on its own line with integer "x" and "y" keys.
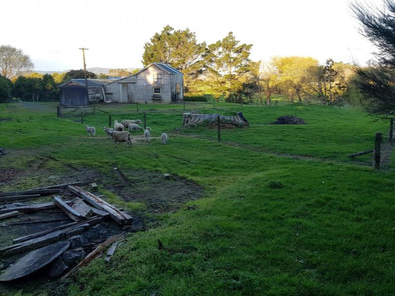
{"x": 90, "y": 82}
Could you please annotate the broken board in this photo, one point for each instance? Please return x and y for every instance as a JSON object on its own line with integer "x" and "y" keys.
{"x": 34, "y": 261}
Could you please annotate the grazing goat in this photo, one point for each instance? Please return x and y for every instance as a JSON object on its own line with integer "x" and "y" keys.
{"x": 163, "y": 138}
{"x": 118, "y": 126}
{"x": 108, "y": 131}
{"x": 147, "y": 134}
{"x": 122, "y": 136}
{"x": 134, "y": 127}
{"x": 90, "y": 130}
{"x": 127, "y": 122}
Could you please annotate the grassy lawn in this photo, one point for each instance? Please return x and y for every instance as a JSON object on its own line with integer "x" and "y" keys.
{"x": 286, "y": 211}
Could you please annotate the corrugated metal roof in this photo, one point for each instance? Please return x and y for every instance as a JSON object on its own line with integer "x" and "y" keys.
{"x": 168, "y": 68}
{"x": 90, "y": 82}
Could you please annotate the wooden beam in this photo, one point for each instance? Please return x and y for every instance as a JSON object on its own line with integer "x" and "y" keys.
{"x": 32, "y": 191}
{"x": 69, "y": 211}
{"x": 29, "y": 208}
{"x": 117, "y": 215}
{"x": 94, "y": 253}
{"x": 9, "y": 215}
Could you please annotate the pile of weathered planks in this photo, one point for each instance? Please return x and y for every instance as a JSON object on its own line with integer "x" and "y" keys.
{"x": 84, "y": 209}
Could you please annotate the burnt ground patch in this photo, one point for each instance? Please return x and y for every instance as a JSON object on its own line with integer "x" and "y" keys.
{"x": 160, "y": 193}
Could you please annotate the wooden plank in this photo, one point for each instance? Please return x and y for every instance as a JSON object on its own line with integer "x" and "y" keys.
{"x": 34, "y": 261}
{"x": 29, "y": 208}
{"x": 9, "y": 215}
{"x": 43, "y": 240}
{"x": 117, "y": 215}
{"x": 362, "y": 153}
{"x": 91, "y": 222}
{"x": 41, "y": 233}
{"x": 69, "y": 211}
{"x": 29, "y": 192}
{"x": 94, "y": 253}
{"x": 36, "y": 221}
{"x": 81, "y": 207}
{"x": 18, "y": 197}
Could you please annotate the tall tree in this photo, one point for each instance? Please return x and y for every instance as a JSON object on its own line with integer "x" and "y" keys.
{"x": 377, "y": 83}
{"x": 178, "y": 48}
{"x": 78, "y": 74}
{"x": 27, "y": 89}
{"x": 5, "y": 89}
{"x": 228, "y": 62}
{"x": 269, "y": 79}
{"x": 119, "y": 72}
{"x": 13, "y": 61}
{"x": 295, "y": 74}
{"x": 50, "y": 92}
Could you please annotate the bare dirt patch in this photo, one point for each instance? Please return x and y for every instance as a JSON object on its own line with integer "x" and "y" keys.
{"x": 160, "y": 193}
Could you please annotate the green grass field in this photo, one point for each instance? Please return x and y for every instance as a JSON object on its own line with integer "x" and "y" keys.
{"x": 286, "y": 211}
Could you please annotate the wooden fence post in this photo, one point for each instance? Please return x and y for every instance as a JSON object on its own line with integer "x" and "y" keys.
{"x": 377, "y": 148}
{"x": 219, "y": 127}
{"x": 82, "y": 117}
{"x": 109, "y": 120}
{"x": 145, "y": 120}
{"x": 137, "y": 107}
{"x": 391, "y": 135}
{"x": 58, "y": 112}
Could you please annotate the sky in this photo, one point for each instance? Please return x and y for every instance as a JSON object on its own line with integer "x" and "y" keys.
{"x": 51, "y": 32}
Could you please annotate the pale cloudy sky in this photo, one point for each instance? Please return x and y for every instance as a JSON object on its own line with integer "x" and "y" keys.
{"x": 52, "y": 31}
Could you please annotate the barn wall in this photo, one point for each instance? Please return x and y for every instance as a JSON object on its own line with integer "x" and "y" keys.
{"x": 73, "y": 96}
{"x": 139, "y": 88}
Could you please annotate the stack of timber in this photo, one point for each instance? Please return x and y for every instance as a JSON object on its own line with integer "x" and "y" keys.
{"x": 237, "y": 120}
{"x": 84, "y": 210}
{"x": 96, "y": 202}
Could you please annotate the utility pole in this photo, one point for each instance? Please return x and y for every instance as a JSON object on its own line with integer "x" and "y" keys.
{"x": 83, "y": 58}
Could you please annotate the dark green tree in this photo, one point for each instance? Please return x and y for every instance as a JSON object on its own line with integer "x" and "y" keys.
{"x": 50, "y": 91}
{"x": 78, "y": 74}
{"x": 179, "y": 49}
{"x": 228, "y": 63}
{"x": 377, "y": 82}
{"x": 27, "y": 89}
{"x": 13, "y": 61}
{"x": 5, "y": 89}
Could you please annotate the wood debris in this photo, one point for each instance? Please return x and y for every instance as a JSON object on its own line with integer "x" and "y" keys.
{"x": 84, "y": 210}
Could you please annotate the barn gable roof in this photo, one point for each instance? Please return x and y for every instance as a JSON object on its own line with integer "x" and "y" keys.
{"x": 163, "y": 67}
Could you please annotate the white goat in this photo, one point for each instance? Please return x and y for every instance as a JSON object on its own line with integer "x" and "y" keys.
{"x": 118, "y": 126}
{"x": 163, "y": 138}
{"x": 90, "y": 130}
{"x": 122, "y": 136}
{"x": 108, "y": 131}
{"x": 134, "y": 127}
{"x": 147, "y": 134}
{"x": 127, "y": 122}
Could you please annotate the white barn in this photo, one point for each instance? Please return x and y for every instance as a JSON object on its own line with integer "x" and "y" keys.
{"x": 155, "y": 83}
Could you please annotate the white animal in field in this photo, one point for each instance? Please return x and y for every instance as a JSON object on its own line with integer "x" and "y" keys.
{"x": 122, "y": 136}
{"x": 147, "y": 134}
{"x": 134, "y": 127}
{"x": 163, "y": 138}
{"x": 109, "y": 132}
{"x": 90, "y": 130}
{"x": 118, "y": 126}
{"x": 127, "y": 122}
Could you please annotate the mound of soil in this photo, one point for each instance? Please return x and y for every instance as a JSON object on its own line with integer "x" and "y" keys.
{"x": 288, "y": 119}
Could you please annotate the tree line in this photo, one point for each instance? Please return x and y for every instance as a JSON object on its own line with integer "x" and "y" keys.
{"x": 224, "y": 71}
